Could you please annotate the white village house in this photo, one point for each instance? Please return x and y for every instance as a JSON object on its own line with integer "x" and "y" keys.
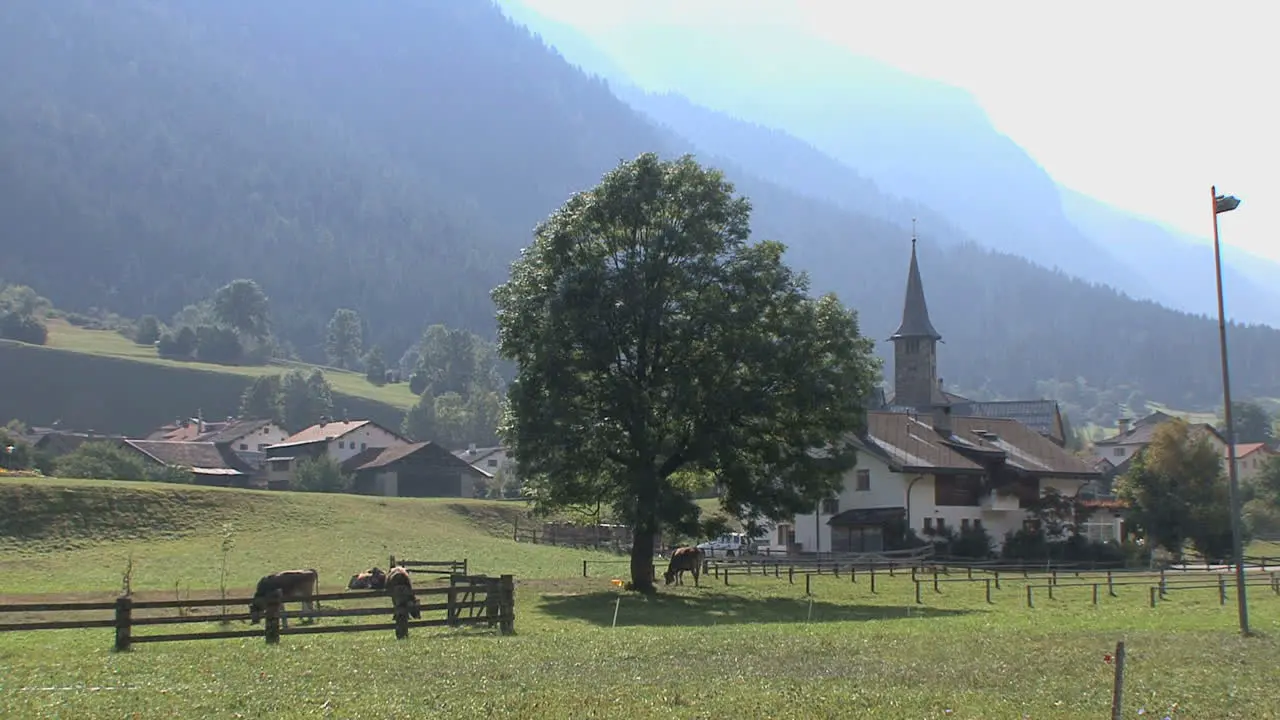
{"x": 931, "y": 460}
{"x": 341, "y": 441}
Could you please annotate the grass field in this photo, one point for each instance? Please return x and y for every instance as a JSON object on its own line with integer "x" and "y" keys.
{"x": 756, "y": 648}
{"x": 108, "y": 343}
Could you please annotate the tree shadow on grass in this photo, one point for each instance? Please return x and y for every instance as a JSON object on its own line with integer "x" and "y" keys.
{"x": 716, "y": 608}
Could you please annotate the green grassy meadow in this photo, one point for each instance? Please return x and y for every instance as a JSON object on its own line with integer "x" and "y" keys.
{"x": 756, "y": 647}
{"x": 98, "y": 379}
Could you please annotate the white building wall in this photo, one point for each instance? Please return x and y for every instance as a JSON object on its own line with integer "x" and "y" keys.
{"x": 361, "y": 439}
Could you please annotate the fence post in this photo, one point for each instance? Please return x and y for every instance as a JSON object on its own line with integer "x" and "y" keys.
{"x": 806, "y": 583}
{"x": 1222, "y": 590}
{"x": 584, "y": 568}
{"x": 493, "y": 601}
{"x": 1117, "y": 691}
{"x": 873, "y": 579}
{"x": 402, "y": 599}
{"x": 1162, "y": 585}
{"x": 1050, "y": 586}
{"x": 274, "y": 606}
{"x": 124, "y": 623}
{"x": 725, "y": 574}
{"x": 988, "y": 591}
{"x": 507, "y": 586}
{"x": 791, "y": 574}
{"x": 391, "y": 562}
{"x": 1029, "y": 601}
{"x": 918, "y": 600}
{"x": 1095, "y": 593}
{"x": 451, "y": 602}
{"x": 464, "y": 567}
{"x": 515, "y": 531}
{"x": 1111, "y": 589}
{"x": 935, "y": 584}
{"x": 997, "y": 574}
{"x": 1153, "y": 596}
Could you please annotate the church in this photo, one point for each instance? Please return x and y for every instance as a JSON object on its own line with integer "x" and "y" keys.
{"x": 934, "y": 462}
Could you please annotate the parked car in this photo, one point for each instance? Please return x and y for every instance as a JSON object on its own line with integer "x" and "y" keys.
{"x": 729, "y": 544}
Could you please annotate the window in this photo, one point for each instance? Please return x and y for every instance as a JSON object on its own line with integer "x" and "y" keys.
{"x": 977, "y": 523}
{"x": 341, "y": 444}
{"x": 493, "y": 462}
{"x": 830, "y": 506}
{"x": 942, "y": 525}
{"x": 863, "y": 481}
{"x": 964, "y": 525}
{"x": 266, "y": 430}
{"x": 363, "y": 446}
{"x": 244, "y": 446}
{"x": 1118, "y": 452}
{"x": 928, "y": 524}
{"x": 957, "y": 490}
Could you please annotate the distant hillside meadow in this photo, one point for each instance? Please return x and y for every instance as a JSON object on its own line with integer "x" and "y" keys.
{"x": 97, "y": 379}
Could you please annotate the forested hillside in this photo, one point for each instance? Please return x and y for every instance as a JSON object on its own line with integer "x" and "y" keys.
{"x": 394, "y": 158}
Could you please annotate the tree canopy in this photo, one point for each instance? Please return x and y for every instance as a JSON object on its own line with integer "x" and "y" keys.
{"x": 1178, "y": 493}
{"x": 652, "y": 338}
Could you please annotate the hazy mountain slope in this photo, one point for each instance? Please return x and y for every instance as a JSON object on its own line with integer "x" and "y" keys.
{"x": 914, "y": 138}
{"x": 395, "y": 157}
{"x": 1158, "y": 257}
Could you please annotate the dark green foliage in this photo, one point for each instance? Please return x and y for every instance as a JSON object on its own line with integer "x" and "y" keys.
{"x": 375, "y": 366}
{"x": 103, "y": 460}
{"x": 242, "y": 306}
{"x": 418, "y": 382}
{"x": 304, "y": 399}
{"x": 128, "y": 397}
{"x": 15, "y": 454}
{"x": 322, "y": 474}
{"x": 420, "y": 422}
{"x": 147, "y": 331}
{"x": 344, "y": 338}
{"x": 1178, "y": 492}
{"x": 178, "y": 344}
{"x": 972, "y": 543}
{"x": 23, "y": 327}
{"x": 645, "y": 350}
{"x": 217, "y": 344}
{"x": 1252, "y": 423}
{"x": 261, "y": 400}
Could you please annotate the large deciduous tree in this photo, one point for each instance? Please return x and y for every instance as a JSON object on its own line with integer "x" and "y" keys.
{"x": 1178, "y": 493}
{"x": 242, "y": 306}
{"x": 344, "y": 338}
{"x": 652, "y": 338}
{"x": 1252, "y": 423}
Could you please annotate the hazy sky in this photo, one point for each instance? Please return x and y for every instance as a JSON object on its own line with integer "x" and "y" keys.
{"x": 1141, "y": 104}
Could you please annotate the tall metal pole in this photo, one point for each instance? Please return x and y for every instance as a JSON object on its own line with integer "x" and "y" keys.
{"x": 1237, "y": 546}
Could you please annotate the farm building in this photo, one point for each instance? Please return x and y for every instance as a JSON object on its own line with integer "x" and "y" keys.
{"x": 413, "y": 470}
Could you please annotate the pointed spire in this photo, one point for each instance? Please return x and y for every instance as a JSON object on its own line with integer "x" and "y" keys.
{"x": 915, "y": 311}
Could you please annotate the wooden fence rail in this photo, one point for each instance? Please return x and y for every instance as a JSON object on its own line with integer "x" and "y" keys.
{"x": 468, "y": 600}
{"x": 430, "y": 567}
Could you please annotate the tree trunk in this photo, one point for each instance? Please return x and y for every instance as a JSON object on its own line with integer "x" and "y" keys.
{"x": 642, "y": 559}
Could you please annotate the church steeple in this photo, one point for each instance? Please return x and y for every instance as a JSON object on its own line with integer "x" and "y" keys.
{"x": 915, "y": 346}
{"x": 915, "y": 311}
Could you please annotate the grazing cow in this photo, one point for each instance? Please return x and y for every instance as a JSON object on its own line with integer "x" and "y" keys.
{"x": 371, "y": 579}
{"x": 397, "y": 584}
{"x": 293, "y": 585}
{"x": 685, "y": 558}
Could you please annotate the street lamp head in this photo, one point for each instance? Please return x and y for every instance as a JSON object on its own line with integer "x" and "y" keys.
{"x": 1225, "y": 203}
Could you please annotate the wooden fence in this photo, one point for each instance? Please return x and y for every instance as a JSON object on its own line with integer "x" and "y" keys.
{"x": 467, "y": 600}
{"x": 431, "y": 567}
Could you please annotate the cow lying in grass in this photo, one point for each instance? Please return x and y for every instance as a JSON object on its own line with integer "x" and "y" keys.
{"x": 297, "y": 585}
{"x": 397, "y": 585}
{"x": 685, "y": 558}
{"x": 371, "y": 579}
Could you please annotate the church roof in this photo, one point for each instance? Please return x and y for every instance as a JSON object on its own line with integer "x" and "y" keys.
{"x": 915, "y": 311}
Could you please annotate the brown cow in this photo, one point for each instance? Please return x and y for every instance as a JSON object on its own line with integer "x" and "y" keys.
{"x": 371, "y": 579}
{"x": 685, "y": 558}
{"x": 398, "y": 584}
{"x": 293, "y": 585}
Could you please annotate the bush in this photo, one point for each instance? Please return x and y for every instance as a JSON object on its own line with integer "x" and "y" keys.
{"x": 418, "y": 381}
{"x": 147, "y": 331}
{"x": 217, "y": 344}
{"x": 177, "y": 345}
{"x": 23, "y": 327}
{"x": 321, "y": 474}
{"x": 102, "y": 460}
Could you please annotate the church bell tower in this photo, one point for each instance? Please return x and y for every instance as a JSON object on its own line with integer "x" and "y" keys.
{"x": 915, "y": 347}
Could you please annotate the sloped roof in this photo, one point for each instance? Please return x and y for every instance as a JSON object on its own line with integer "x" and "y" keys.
{"x": 478, "y": 455}
{"x": 195, "y": 455}
{"x": 1249, "y": 448}
{"x": 1141, "y": 432}
{"x": 236, "y": 430}
{"x": 1039, "y": 415}
{"x": 376, "y": 458}
{"x": 915, "y": 311}
{"x": 910, "y": 443}
{"x": 325, "y": 431}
